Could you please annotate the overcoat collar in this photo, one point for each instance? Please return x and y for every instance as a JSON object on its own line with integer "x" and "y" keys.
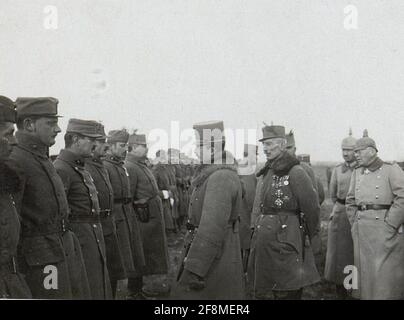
{"x": 71, "y": 157}
{"x": 280, "y": 165}
{"x": 205, "y": 170}
{"x": 32, "y": 144}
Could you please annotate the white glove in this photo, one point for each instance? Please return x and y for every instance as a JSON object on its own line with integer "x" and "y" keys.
{"x": 172, "y": 202}
{"x": 165, "y": 194}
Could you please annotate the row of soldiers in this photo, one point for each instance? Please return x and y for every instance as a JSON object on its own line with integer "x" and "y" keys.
{"x": 89, "y": 224}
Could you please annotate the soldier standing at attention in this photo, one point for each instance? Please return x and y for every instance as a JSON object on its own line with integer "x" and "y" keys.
{"x": 127, "y": 225}
{"x": 281, "y": 261}
{"x": 101, "y": 180}
{"x": 375, "y": 208}
{"x": 84, "y": 217}
{"x": 340, "y": 245}
{"x": 211, "y": 267}
{"x": 148, "y": 208}
{"x": 12, "y": 283}
{"x": 42, "y": 206}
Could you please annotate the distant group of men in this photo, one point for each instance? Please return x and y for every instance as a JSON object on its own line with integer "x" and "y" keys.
{"x": 100, "y": 213}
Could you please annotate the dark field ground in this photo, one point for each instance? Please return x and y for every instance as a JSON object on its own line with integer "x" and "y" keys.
{"x": 320, "y": 291}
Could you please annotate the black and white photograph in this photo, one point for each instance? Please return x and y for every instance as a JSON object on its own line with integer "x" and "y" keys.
{"x": 225, "y": 152}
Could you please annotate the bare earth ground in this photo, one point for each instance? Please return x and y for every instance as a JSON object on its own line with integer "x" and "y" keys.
{"x": 320, "y": 291}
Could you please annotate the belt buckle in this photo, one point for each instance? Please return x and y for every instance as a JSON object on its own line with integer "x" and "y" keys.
{"x": 363, "y": 207}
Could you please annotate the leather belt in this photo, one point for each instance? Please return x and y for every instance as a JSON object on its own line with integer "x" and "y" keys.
{"x": 123, "y": 200}
{"x": 365, "y": 207}
{"x": 9, "y": 266}
{"x": 341, "y": 201}
{"x": 84, "y": 219}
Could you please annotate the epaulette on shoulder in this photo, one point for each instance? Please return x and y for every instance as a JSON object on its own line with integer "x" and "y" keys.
{"x": 390, "y": 163}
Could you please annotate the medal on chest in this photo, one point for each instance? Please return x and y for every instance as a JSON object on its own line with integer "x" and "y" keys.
{"x": 278, "y": 183}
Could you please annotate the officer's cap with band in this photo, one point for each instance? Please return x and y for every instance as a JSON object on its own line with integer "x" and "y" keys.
{"x": 118, "y": 136}
{"x": 137, "y": 139}
{"x": 209, "y": 132}
{"x": 86, "y": 128}
{"x": 37, "y": 107}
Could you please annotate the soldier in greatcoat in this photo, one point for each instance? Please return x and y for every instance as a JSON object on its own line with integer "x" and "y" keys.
{"x": 339, "y": 243}
{"x": 128, "y": 239}
{"x": 211, "y": 265}
{"x": 281, "y": 260}
{"x": 375, "y": 209}
{"x": 46, "y": 239}
{"x": 100, "y": 176}
{"x": 146, "y": 200}
{"x": 84, "y": 217}
{"x": 12, "y": 283}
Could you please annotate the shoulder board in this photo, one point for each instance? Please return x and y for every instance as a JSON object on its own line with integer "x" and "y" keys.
{"x": 389, "y": 162}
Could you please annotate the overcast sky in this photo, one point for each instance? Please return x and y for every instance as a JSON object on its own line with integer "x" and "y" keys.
{"x": 143, "y": 63}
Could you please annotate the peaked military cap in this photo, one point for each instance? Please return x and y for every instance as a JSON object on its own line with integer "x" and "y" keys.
{"x": 349, "y": 142}
{"x": 137, "y": 139}
{"x": 7, "y": 110}
{"x": 41, "y": 107}
{"x": 121, "y": 136}
{"x": 209, "y": 132}
{"x": 87, "y": 128}
{"x": 365, "y": 142}
{"x": 271, "y": 132}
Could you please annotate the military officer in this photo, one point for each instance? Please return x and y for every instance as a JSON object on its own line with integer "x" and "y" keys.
{"x": 43, "y": 208}
{"x": 101, "y": 180}
{"x": 246, "y": 171}
{"x": 84, "y": 217}
{"x": 375, "y": 208}
{"x": 147, "y": 206}
{"x": 211, "y": 267}
{"x": 126, "y": 223}
{"x": 12, "y": 283}
{"x": 281, "y": 261}
{"x": 340, "y": 245}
